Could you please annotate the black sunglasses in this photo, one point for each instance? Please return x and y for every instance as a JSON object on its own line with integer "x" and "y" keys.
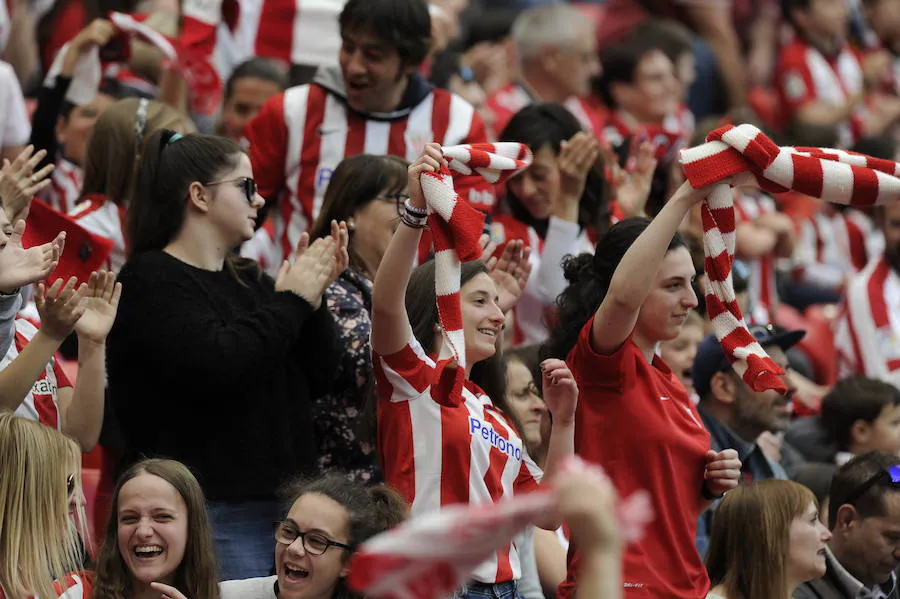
{"x": 893, "y": 475}
{"x": 70, "y": 485}
{"x": 247, "y": 184}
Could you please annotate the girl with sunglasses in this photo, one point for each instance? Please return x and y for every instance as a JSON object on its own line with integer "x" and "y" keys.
{"x": 40, "y": 508}
{"x": 327, "y": 519}
{"x": 202, "y": 335}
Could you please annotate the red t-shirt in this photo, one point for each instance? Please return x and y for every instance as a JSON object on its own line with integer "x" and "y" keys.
{"x": 636, "y": 420}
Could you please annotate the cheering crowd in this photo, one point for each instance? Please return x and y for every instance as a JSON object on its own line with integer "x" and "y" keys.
{"x": 281, "y": 281}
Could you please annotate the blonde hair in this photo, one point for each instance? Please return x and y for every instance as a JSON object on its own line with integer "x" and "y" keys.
{"x": 113, "y": 153}
{"x": 38, "y": 540}
{"x": 750, "y": 538}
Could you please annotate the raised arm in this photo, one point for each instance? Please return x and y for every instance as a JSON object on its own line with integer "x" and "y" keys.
{"x": 60, "y": 308}
{"x": 81, "y": 408}
{"x": 632, "y": 281}
{"x": 390, "y": 323}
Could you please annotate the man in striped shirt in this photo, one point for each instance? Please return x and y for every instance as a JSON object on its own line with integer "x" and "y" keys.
{"x": 868, "y": 334}
{"x": 376, "y": 102}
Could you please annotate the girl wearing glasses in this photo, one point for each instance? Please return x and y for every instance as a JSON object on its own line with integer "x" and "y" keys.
{"x": 368, "y": 193}
{"x": 328, "y": 518}
{"x": 40, "y": 506}
{"x": 158, "y": 541}
{"x": 203, "y": 335}
{"x": 438, "y": 447}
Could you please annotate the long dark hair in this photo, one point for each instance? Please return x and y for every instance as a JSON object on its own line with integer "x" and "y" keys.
{"x": 197, "y": 575}
{"x": 168, "y": 167}
{"x": 354, "y": 183}
{"x": 589, "y": 276}
{"x": 370, "y": 510}
{"x": 421, "y": 306}
{"x": 548, "y": 125}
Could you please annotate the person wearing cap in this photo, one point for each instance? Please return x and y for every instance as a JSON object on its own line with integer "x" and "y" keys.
{"x": 864, "y": 515}
{"x": 735, "y": 415}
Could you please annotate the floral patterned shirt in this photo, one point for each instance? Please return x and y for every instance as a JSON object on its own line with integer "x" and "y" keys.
{"x": 349, "y": 299}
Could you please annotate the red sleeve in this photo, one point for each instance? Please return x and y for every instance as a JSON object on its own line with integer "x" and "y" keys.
{"x": 793, "y": 80}
{"x": 598, "y": 371}
{"x": 61, "y": 379}
{"x": 404, "y": 375}
{"x": 267, "y": 135}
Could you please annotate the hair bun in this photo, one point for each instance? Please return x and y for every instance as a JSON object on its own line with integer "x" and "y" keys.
{"x": 579, "y": 269}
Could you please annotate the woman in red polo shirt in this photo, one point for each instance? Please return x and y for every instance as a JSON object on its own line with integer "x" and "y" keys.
{"x": 635, "y": 417}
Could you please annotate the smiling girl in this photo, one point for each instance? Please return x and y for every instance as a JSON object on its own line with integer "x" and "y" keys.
{"x": 439, "y": 446}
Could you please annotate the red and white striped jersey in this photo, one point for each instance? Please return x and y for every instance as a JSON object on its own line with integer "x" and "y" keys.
{"x": 65, "y": 187}
{"x": 75, "y": 585}
{"x": 105, "y": 218}
{"x": 41, "y": 404}
{"x": 510, "y": 99}
{"x": 667, "y": 138}
{"x": 302, "y": 32}
{"x": 867, "y": 335}
{"x": 436, "y": 453}
{"x": 762, "y": 288}
{"x": 833, "y": 246}
{"x": 534, "y": 312}
{"x": 301, "y": 135}
{"x": 804, "y": 75}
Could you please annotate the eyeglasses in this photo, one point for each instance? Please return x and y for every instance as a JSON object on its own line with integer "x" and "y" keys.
{"x": 399, "y": 200}
{"x": 892, "y": 474}
{"x": 247, "y": 184}
{"x": 314, "y": 543}
{"x": 70, "y": 485}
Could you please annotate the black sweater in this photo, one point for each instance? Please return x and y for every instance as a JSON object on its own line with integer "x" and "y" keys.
{"x": 218, "y": 375}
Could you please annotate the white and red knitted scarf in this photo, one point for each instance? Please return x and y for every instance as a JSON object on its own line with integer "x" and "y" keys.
{"x": 832, "y": 175}
{"x": 457, "y": 227}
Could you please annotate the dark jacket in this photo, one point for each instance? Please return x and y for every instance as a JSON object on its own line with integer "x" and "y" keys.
{"x": 829, "y": 587}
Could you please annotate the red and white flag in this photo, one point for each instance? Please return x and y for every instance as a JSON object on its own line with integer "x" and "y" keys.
{"x": 432, "y": 556}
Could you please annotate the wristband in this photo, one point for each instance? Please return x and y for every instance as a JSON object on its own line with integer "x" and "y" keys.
{"x": 408, "y": 208}
{"x": 413, "y": 222}
{"x": 707, "y": 494}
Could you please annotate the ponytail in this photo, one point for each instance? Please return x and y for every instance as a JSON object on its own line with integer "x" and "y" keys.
{"x": 169, "y": 164}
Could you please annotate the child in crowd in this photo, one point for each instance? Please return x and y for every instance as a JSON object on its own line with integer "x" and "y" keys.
{"x": 862, "y": 414}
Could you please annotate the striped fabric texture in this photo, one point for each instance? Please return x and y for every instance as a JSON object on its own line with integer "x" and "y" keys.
{"x": 831, "y": 175}
{"x": 457, "y": 227}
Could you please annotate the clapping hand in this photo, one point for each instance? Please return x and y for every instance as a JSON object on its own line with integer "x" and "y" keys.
{"x": 315, "y": 266}
{"x": 510, "y": 271}
{"x": 60, "y": 307}
{"x": 577, "y": 157}
{"x": 19, "y": 183}
{"x": 101, "y": 301}
{"x": 20, "y": 266}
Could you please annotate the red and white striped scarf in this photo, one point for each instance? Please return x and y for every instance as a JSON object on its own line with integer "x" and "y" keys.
{"x": 457, "y": 227}
{"x": 832, "y": 175}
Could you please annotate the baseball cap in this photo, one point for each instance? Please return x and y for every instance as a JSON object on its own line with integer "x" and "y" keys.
{"x": 710, "y": 358}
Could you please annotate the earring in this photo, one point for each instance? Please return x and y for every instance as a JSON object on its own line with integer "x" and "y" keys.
{"x": 351, "y": 224}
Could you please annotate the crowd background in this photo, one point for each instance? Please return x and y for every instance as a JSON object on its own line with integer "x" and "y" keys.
{"x": 211, "y": 214}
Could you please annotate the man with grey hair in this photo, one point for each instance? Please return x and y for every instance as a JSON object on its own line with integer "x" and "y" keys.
{"x": 557, "y": 55}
